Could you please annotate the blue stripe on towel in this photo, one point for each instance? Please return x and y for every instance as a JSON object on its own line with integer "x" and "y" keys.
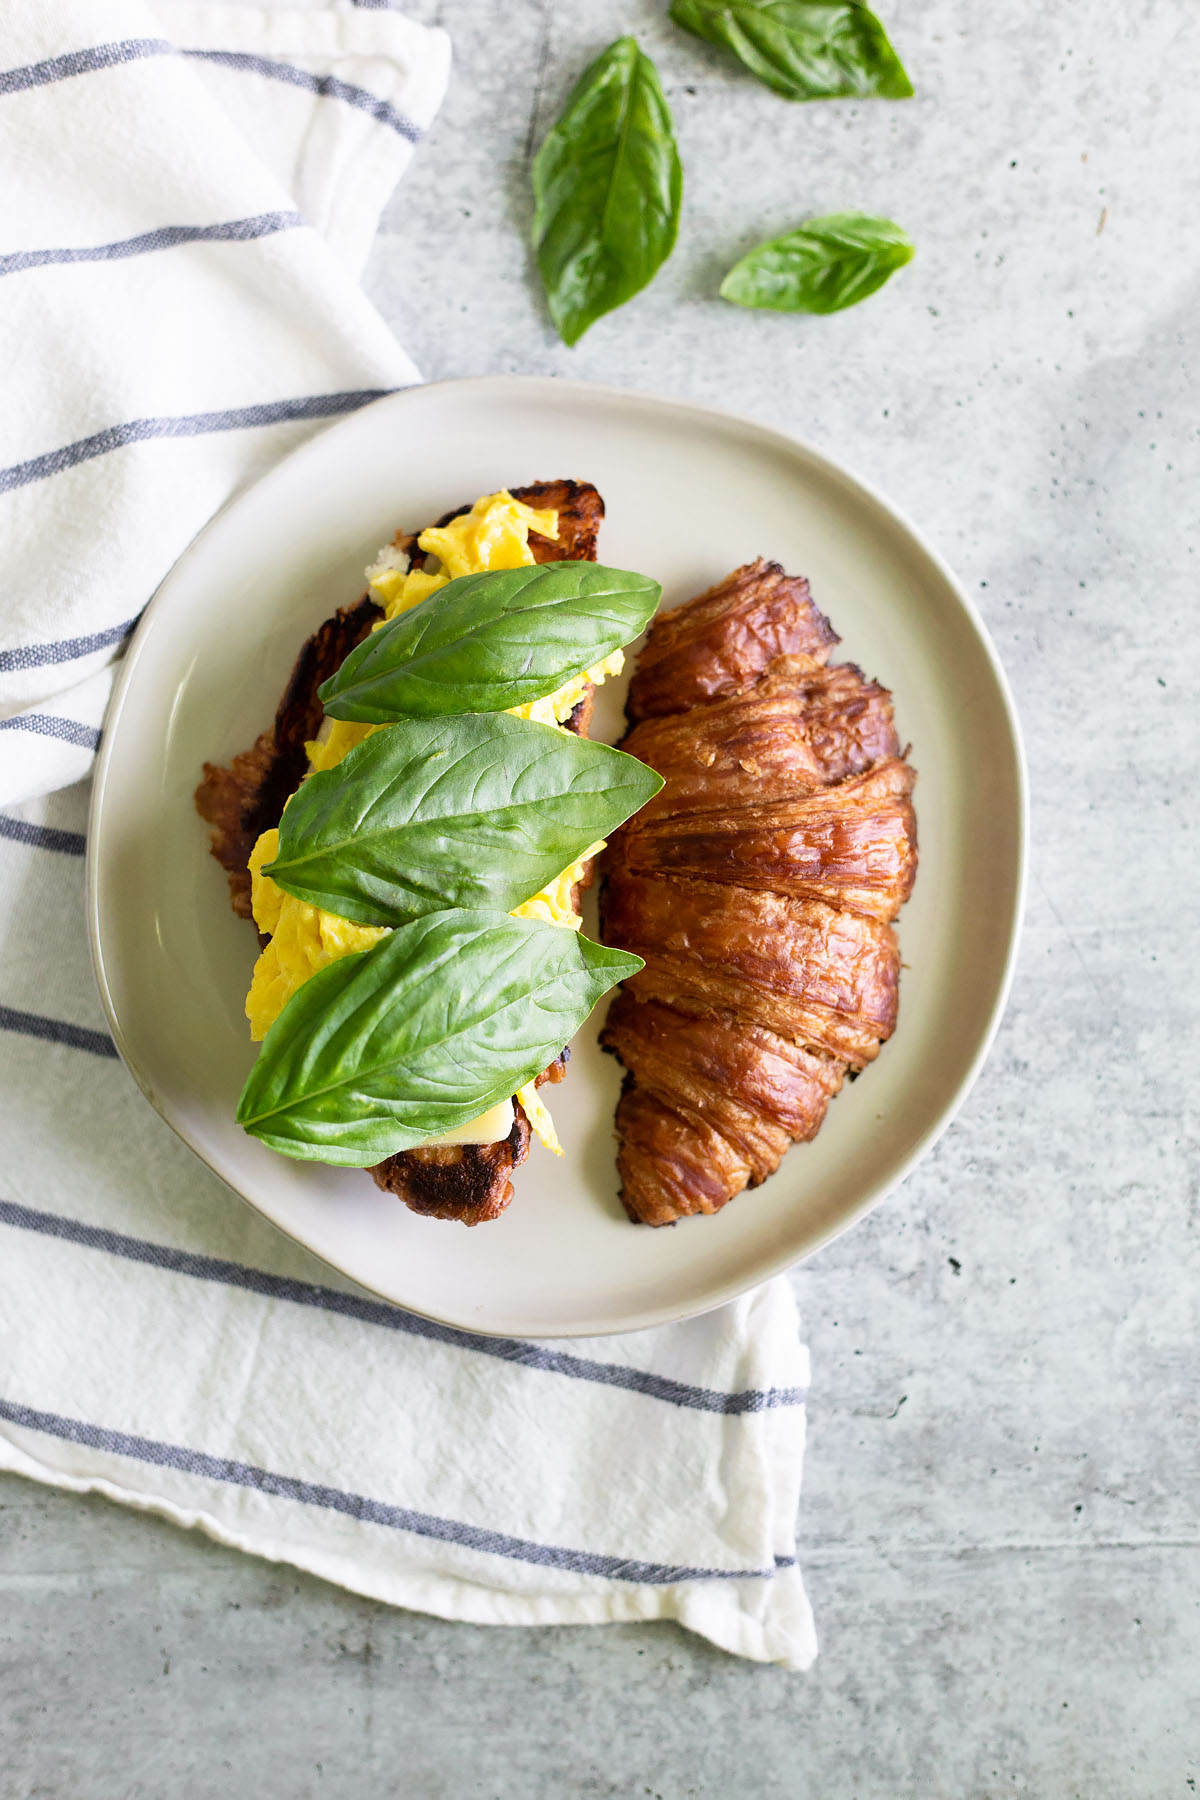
{"x": 394, "y": 1318}
{"x": 37, "y": 656}
{"x": 108, "y": 56}
{"x": 138, "y": 431}
{"x": 42, "y": 837}
{"x": 328, "y": 85}
{"x": 83, "y": 62}
{"x": 167, "y": 237}
{"x": 56, "y": 1031}
{"x": 371, "y": 1512}
{"x": 68, "y": 731}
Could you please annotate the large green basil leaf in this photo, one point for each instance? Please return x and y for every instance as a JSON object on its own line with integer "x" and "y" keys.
{"x": 478, "y": 811}
{"x": 424, "y": 1032}
{"x": 821, "y": 266}
{"x": 804, "y": 49}
{"x": 607, "y": 185}
{"x": 488, "y": 642}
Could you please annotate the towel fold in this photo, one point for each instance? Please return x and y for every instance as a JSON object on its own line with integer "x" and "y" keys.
{"x": 192, "y": 191}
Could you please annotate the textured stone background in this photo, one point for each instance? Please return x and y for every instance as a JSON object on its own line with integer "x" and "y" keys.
{"x": 1001, "y": 1510}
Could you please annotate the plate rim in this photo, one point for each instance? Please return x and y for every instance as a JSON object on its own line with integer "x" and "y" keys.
{"x": 556, "y": 388}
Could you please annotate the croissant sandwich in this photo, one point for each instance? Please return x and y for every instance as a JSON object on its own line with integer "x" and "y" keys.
{"x": 411, "y": 836}
{"x": 759, "y": 886}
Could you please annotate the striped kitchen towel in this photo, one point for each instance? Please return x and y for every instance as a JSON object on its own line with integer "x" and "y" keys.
{"x": 190, "y": 193}
{"x": 161, "y": 1344}
{"x": 180, "y": 325}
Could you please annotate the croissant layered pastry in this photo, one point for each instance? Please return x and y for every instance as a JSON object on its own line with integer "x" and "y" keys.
{"x": 760, "y": 886}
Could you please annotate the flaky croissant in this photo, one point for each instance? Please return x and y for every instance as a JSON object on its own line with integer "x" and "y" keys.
{"x": 760, "y": 887}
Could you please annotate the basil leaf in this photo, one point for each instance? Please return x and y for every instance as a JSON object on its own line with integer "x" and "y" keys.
{"x": 487, "y": 642}
{"x": 481, "y": 811}
{"x": 607, "y": 185}
{"x": 425, "y": 1031}
{"x": 803, "y": 49}
{"x": 820, "y": 267}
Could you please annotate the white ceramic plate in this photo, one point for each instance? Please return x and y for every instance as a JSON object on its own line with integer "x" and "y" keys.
{"x": 690, "y": 494}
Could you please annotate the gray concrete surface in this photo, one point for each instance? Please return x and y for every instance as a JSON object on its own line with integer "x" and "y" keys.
{"x": 1000, "y": 1521}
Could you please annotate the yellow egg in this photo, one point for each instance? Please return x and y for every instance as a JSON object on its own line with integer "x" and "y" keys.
{"x": 494, "y": 534}
{"x": 555, "y": 905}
{"x": 303, "y": 940}
{"x": 338, "y": 737}
{"x": 538, "y": 1114}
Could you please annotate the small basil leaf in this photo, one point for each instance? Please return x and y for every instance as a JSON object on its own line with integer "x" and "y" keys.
{"x": 488, "y": 642}
{"x": 821, "y": 266}
{"x": 803, "y": 49}
{"x": 425, "y": 1031}
{"x": 607, "y": 185}
{"x": 479, "y": 811}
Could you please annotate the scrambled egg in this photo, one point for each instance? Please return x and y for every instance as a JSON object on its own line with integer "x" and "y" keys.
{"x": 303, "y": 940}
{"x": 493, "y": 535}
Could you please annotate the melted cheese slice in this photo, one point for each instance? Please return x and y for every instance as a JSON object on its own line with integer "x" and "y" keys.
{"x": 491, "y": 1127}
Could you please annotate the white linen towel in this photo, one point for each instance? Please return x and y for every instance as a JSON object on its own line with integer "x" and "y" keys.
{"x": 181, "y": 324}
{"x": 173, "y": 320}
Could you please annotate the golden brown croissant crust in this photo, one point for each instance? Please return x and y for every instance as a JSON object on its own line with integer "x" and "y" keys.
{"x": 760, "y": 886}
{"x": 722, "y": 640}
{"x": 468, "y": 1182}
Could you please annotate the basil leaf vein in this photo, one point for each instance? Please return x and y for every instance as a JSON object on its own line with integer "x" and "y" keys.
{"x": 820, "y": 267}
{"x": 803, "y": 49}
{"x": 488, "y": 642}
{"x": 607, "y": 185}
{"x": 436, "y": 1023}
{"x": 479, "y": 811}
